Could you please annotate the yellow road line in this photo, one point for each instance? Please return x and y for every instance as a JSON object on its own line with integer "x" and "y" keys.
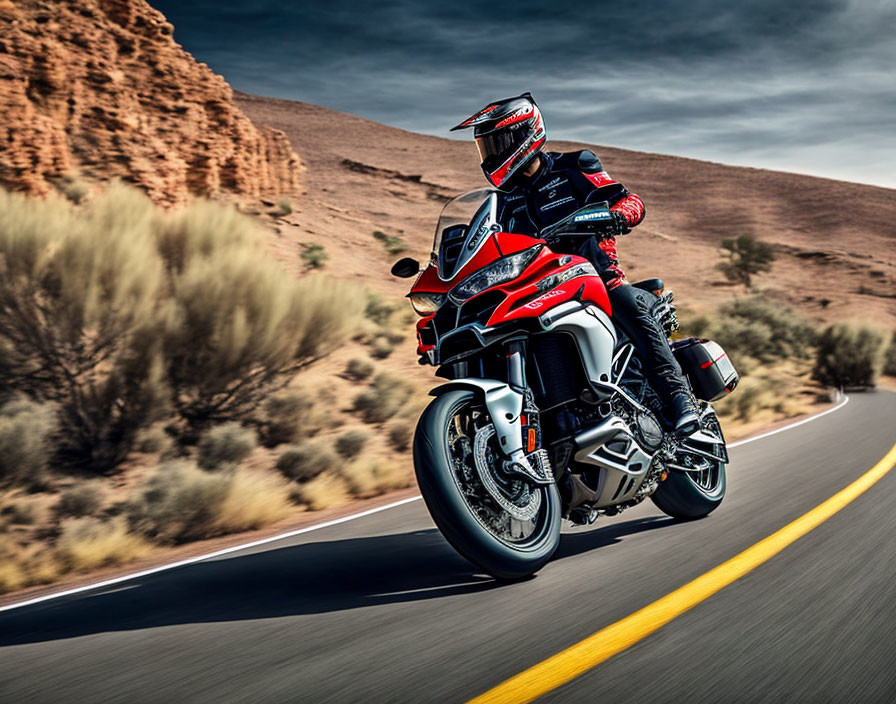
{"x": 607, "y": 642}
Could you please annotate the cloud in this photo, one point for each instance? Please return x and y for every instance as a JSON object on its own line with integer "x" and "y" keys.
{"x": 794, "y": 86}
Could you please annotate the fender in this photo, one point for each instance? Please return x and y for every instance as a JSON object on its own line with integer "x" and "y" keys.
{"x": 504, "y": 406}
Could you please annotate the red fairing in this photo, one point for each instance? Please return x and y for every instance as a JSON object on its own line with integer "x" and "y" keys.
{"x": 631, "y": 207}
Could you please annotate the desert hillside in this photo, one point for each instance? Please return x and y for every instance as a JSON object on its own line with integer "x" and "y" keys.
{"x": 98, "y": 89}
{"x": 836, "y": 240}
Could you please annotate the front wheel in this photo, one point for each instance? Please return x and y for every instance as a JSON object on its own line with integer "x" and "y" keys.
{"x": 499, "y": 522}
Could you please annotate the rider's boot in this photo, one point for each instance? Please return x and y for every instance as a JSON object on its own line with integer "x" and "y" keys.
{"x": 683, "y": 414}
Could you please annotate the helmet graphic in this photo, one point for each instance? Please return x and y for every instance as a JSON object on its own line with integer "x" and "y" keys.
{"x": 509, "y": 133}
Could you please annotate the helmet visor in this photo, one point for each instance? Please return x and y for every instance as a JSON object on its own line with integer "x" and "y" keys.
{"x": 497, "y": 147}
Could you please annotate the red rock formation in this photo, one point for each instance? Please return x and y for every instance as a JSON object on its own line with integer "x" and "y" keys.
{"x": 101, "y": 88}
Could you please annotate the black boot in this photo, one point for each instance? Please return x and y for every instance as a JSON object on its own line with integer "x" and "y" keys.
{"x": 683, "y": 414}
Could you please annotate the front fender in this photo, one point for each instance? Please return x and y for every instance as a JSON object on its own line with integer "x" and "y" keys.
{"x": 504, "y": 406}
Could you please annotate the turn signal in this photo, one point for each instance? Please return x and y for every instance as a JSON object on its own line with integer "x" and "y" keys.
{"x": 530, "y": 442}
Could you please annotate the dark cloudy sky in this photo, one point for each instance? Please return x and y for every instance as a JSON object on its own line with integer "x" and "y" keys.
{"x": 798, "y": 86}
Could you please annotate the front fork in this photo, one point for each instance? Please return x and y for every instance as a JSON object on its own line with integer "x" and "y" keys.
{"x": 525, "y": 430}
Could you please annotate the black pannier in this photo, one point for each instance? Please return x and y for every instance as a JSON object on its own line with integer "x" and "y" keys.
{"x": 706, "y": 364}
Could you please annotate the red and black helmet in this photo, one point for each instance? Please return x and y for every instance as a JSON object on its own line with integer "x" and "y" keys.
{"x": 509, "y": 133}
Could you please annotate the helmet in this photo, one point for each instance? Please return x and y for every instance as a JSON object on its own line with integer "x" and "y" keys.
{"x": 509, "y": 134}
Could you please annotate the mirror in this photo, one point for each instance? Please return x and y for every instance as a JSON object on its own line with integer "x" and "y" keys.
{"x": 406, "y": 268}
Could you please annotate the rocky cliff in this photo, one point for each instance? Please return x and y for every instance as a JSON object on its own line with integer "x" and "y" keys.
{"x": 100, "y": 88}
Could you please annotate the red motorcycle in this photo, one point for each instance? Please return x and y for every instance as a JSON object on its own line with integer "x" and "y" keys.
{"x": 547, "y": 413}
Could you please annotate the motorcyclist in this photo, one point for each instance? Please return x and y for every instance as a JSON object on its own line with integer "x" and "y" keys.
{"x": 539, "y": 189}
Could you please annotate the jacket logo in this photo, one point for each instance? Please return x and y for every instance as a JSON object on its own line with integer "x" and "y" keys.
{"x": 551, "y": 184}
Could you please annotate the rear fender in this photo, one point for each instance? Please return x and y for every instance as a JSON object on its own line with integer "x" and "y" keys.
{"x": 504, "y": 406}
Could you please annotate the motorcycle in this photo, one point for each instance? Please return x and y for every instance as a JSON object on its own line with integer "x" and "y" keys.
{"x": 546, "y": 413}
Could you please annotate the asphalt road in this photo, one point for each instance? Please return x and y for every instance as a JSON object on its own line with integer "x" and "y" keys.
{"x": 381, "y": 609}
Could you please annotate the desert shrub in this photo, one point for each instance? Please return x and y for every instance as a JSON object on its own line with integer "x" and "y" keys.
{"x": 393, "y": 244}
{"x": 87, "y": 543}
{"x": 83, "y": 499}
{"x": 358, "y": 369}
{"x": 294, "y": 413}
{"x": 378, "y": 310}
{"x": 225, "y": 444}
{"x": 381, "y": 347}
{"x": 17, "y": 509}
{"x": 385, "y": 397}
{"x": 11, "y": 576}
{"x": 253, "y": 500}
{"x": 849, "y": 355}
{"x": 321, "y": 492}
{"x": 370, "y": 477}
{"x": 755, "y": 328}
{"x": 889, "y": 367}
{"x": 154, "y": 439}
{"x": 744, "y": 257}
{"x": 26, "y": 441}
{"x": 178, "y": 502}
{"x": 78, "y": 294}
{"x": 314, "y": 256}
{"x": 284, "y": 207}
{"x": 239, "y": 326}
{"x": 73, "y": 188}
{"x": 400, "y": 433}
{"x": 307, "y": 459}
{"x": 351, "y": 442}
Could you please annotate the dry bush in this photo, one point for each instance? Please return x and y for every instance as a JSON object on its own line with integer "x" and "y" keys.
{"x": 351, "y": 442}
{"x": 379, "y": 311}
{"x": 83, "y": 499}
{"x": 241, "y": 326}
{"x": 385, "y": 397}
{"x": 18, "y": 509}
{"x": 322, "y": 492}
{"x": 381, "y": 347}
{"x": 12, "y": 576}
{"x": 294, "y": 413}
{"x": 78, "y": 304}
{"x": 178, "y": 503}
{"x": 254, "y": 499}
{"x": 371, "y": 477}
{"x": 307, "y": 459}
{"x": 849, "y": 355}
{"x": 154, "y": 439}
{"x": 358, "y": 369}
{"x": 889, "y": 367}
{"x": 225, "y": 444}
{"x": 87, "y": 543}
{"x": 755, "y": 328}
{"x": 400, "y": 433}
{"x": 26, "y": 446}
{"x": 313, "y": 255}
{"x": 393, "y": 244}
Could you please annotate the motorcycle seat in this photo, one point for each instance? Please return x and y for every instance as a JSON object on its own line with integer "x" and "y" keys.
{"x": 653, "y": 285}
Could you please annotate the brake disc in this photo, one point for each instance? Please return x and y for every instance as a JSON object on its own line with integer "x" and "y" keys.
{"x": 522, "y": 512}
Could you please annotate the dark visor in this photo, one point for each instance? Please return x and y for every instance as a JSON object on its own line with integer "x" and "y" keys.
{"x": 496, "y": 147}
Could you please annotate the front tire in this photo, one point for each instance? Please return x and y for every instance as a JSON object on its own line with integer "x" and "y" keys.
{"x": 448, "y": 489}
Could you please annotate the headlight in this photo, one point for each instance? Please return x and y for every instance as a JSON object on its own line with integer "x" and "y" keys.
{"x": 500, "y": 272}
{"x": 426, "y": 303}
{"x": 583, "y": 269}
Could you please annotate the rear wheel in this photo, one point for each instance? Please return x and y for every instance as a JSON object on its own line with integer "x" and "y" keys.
{"x": 499, "y": 521}
{"x": 696, "y": 493}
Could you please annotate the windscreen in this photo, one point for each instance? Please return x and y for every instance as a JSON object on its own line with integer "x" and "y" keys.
{"x": 460, "y": 232}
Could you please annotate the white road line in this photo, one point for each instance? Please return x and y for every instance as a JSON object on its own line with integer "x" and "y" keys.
{"x": 318, "y": 526}
{"x": 207, "y": 556}
{"x": 792, "y": 425}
